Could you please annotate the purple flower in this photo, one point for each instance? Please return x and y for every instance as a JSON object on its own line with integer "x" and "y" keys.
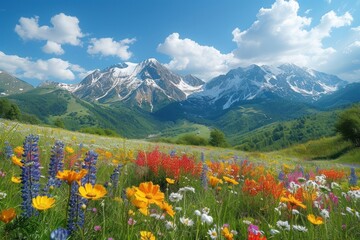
{"x": 253, "y": 228}
{"x": 97, "y": 228}
{"x": 59, "y": 234}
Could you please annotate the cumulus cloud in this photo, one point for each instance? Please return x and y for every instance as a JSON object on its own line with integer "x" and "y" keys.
{"x": 64, "y": 30}
{"x": 203, "y": 61}
{"x": 280, "y": 35}
{"x": 51, "y": 69}
{"x": 110, "y": 47}
{"x": 53, "y": 47}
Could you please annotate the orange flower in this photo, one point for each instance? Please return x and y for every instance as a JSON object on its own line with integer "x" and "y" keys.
{"x": 7, "y": 215}
{"x": 170, "y": 181}
{"x": 167, "y": 208}
{"x": 71, "y": 176}
{"x": 16, "y": 179}
{"x": 16, "y": 161}
{"x": 214, "y": 181}
{"x": 292, "y": 201}
{"x": 315, "y": 220}
{"x": 92, "y": 192}
{"x": 230, "y": 180}
{"x": 43, "y": 202}
{"x": 149, "y": 193}
{"x": 332, "y": 174}
{"x": 227, "y": 234}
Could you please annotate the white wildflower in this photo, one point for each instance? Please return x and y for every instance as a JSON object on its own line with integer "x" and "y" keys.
{"x": 2, "y": 195}
{"x": 300, "y": 228}
{"x": 205, "y": 210}
{"x": 186, "y": 221}
{"x": 206, "y": 219}
{"x": 197, "y": 213}
{"x": 283, "y": 225}
{"x": 170, "y": 225}
{"x": 178, "y": 209}
{"x": 335, "y": 185}
{"x": 213, "y": 234}
{"x": 187, "y": 189}
{"x": 175, "y": 197}
{"x": 325, "y": 214}
{"x": 247, "y": 222}
{"x": 295, "y": 212}
{"x": 274, "y": 231}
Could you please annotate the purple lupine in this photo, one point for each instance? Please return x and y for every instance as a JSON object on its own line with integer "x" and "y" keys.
{"x": 30, "y": 174}
{"x": 56, "y": 164}
{"x": 76, "y": 215}
{"x": 90, "y": 165}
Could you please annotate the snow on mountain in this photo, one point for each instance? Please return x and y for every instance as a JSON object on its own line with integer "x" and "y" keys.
{"x": 288, "y": 81}
{"x": 148, "y": 84}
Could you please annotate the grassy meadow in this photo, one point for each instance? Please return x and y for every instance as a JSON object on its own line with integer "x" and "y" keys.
{"x": 93, "y": 187}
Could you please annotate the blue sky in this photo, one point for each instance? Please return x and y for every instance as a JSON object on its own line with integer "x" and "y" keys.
{"x": 65, "y": 40}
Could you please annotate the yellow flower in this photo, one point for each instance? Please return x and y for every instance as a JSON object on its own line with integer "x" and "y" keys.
{"x": 167, "y": 208}
{"x": 92, "y": 192}
{"x": 149, "y": 193}
{"x": 315, "y": 220}
{"x": 7, "y": 215}
{"x": 292, "y": 201}
{"x": 16, "y": 161}
{"x": 170, "y": 181}
{"x": 43, "y": 202}
{"x": 214, "y": 181}
{"x": 227, "y": 234}
{"x": 19, "y": 150}
{"x": 16, "y": 179}
{"x": 71, "y": 176}
{"x": 230, "y": 180}
{"x": 144, "y": 235}
{"x": 69, "y": 150}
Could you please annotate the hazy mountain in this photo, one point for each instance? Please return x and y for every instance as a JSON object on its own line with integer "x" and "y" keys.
{"x": 12, "y": 85}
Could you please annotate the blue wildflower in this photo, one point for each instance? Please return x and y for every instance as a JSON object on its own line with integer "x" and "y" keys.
{"x": 56, "y": 164}
{"x": 8, "y": 150}
{"x": 114, "y": 180}
{"x": 59, "y": 234}
{"x": 90, "y": 165}
{"x": 30, "y": 174}
{"x": 76, "y": 215}
{"x": 281, "y": 176}
{"x": 353, "y": 178}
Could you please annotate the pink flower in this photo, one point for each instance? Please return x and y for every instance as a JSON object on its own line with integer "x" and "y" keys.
{"x": 131, "y": 221}
{"x": 97, "y": 228}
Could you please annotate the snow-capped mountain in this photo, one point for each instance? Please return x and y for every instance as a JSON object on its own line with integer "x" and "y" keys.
{"x": 288, "y": 81}
{"x": 148, "y": 84}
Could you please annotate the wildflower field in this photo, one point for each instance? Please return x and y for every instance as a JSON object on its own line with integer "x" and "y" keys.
{"x": 56, "y": 184}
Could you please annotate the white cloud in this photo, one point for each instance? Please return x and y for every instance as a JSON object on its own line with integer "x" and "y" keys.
{"x": 109, "y": 47}
{"x": 64, "y": 30}
{"x": 53, "y": 47}
{"x": 280, "y": 35}
{"x": 204, "y": 61}
{"x": 51, "y": 69}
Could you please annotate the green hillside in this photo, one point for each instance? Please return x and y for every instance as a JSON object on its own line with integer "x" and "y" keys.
{"x": 283, "y": 134}
{"x": 52, "y": 104}
{"x": 12, "y": 85}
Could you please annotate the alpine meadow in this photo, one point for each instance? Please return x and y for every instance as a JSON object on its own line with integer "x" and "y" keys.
{"x": 180, "y": 120}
